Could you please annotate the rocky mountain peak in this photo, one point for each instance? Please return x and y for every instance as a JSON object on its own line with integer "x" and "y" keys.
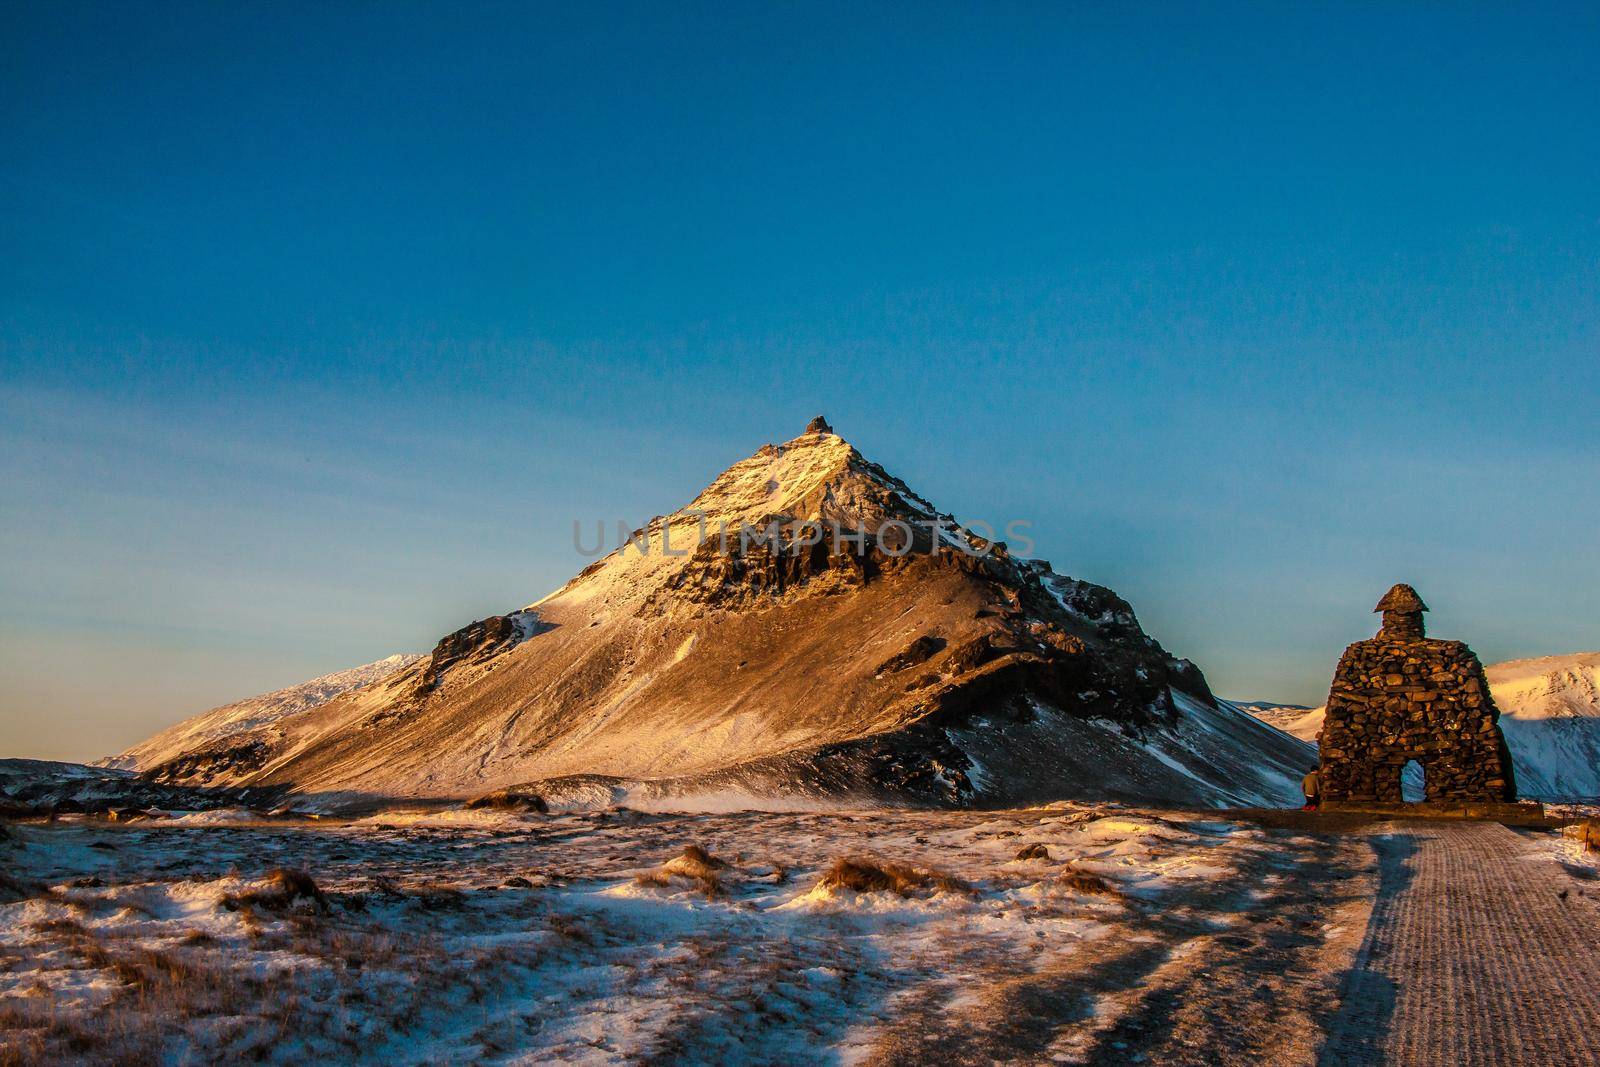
{"x": 908, "y": 659}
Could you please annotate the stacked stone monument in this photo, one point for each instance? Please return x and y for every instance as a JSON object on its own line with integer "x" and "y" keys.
{"x": 1400, "y": 696}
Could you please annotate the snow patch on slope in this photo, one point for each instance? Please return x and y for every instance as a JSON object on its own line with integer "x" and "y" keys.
{"x": 254, "y": 713}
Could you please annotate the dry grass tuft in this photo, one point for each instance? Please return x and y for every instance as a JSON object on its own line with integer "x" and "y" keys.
{"x": 694, "y": 862}
{"x": 694, "y": 866}
{"x": 700, "y": 855}
{"x": 437, "y": 897}
{"x": 281, "y": 888}
{"x": 859, "y": 876}
{"x": 147, "y": 968}
{"x": 1081, "y": 881}
{"x": 874, "y": 876}
{"x": 21, "y": 1050}
{"x": 569, "y": 928}
{"x": 510, "y": 800}
{"x": 1033, "y": 852}
{"x": 159, "y": 994}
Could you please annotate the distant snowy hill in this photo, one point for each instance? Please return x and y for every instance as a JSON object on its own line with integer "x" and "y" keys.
{"x": 1550, "y": 715}
{"x": 1551, "y": 718}
{"x": 259, "y": 713}
{"x": 1283, "y": 717}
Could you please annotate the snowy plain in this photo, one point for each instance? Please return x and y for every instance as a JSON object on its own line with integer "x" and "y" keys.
{"x": 622, "y": 936}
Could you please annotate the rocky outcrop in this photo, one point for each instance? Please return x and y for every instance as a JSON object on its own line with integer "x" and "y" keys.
{"x": 918, "y": 651}
{"x": 1399, "y": 697}
{"x": 212, "y": 763}
{"x": 475, "y": 643}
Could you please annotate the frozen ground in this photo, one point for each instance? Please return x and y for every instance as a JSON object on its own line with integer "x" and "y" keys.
{"x": 592, "y": 938}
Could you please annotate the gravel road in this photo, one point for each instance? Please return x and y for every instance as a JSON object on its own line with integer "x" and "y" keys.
{"x": 1480, "y": 950}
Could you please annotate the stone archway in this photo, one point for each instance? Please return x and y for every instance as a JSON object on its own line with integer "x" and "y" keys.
{"x": 1401, "y": 696}
{"x": 1413, "y": 782}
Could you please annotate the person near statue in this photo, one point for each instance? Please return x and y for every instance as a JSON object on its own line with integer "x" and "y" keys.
{"x": 1311, "y": 786}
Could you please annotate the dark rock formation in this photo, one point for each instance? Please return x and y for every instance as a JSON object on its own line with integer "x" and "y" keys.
{"x": 208, "y": 764}
{"x": 1079, "y": 647}
{"x": 1399, "y": 697}
{"x": 476, "y": 642}
{"x": 509, "y": 800}
{"x": 919, "y": 651}
{"x": 32, "y": 788}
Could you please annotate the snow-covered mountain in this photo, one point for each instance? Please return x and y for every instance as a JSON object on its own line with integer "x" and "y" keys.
{"x": 919, "y": 663}
{"x": 252, "y": 717}
{"x": 1549, "y": 713}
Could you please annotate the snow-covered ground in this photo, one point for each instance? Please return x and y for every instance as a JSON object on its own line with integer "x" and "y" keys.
{"x": 1568, "y": 847}
{"x": 610, "y": 937}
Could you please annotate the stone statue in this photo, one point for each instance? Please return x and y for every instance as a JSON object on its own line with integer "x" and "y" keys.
{"x": 1400, "y": 696}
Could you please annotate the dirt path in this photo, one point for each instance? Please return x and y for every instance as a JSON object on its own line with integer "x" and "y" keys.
{"x": 1479, "y": 951}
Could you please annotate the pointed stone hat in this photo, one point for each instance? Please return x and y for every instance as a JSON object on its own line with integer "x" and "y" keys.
{"x": 1401, "y": 598}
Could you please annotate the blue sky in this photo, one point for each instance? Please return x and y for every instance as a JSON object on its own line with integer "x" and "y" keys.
{"x": 319, "y": 324}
